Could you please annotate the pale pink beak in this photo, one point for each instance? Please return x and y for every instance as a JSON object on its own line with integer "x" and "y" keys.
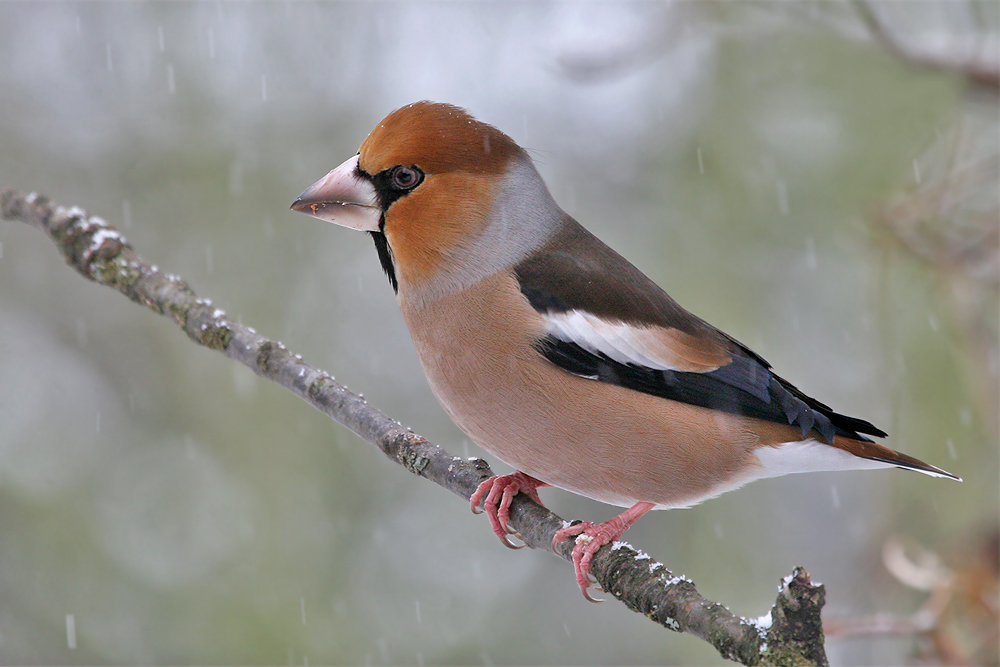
{"x": 343, "y": 198}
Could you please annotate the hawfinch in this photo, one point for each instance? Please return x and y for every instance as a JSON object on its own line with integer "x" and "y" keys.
{"x": 553, "y": 352}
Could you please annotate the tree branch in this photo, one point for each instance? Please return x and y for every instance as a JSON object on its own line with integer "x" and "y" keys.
{"x": 791, "y": 633}
{"x": 981, "y": 71}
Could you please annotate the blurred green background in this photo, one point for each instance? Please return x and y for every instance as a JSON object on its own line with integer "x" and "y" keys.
{"x": 755, "y": 160}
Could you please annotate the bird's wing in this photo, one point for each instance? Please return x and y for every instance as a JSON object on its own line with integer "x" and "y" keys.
{"x": 605, "y": 320}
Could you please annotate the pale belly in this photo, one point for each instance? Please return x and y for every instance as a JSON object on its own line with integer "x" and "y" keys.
{"x": 599, "y": 440}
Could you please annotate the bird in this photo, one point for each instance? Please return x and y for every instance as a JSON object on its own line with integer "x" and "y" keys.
{"x": 553, "y": 352}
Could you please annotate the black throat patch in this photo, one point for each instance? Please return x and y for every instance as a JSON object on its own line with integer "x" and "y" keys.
{"x": 385, "y": 256}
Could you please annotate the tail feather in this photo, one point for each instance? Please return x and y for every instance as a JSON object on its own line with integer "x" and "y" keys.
{"x": 813, "y": 455}
{"x": 876, "y": 452}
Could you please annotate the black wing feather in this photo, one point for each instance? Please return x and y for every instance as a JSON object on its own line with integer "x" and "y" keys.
{"x": 767, "y": 397}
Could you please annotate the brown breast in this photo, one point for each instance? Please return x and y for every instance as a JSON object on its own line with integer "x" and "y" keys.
{"x": 600, "y": 440}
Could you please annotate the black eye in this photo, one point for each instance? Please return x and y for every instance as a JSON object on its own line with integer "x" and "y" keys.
{"x": 405, "y": 178}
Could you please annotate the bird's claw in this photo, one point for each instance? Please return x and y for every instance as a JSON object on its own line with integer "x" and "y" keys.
{"x": 510, "y": 545}
{"x": 591, "y": 537}
{"x": 496, "y": 494}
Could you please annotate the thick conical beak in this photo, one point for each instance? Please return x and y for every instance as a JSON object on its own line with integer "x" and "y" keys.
{"x": 342, "y": 197}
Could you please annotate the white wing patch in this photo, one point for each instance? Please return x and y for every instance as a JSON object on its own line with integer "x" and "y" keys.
{"x": 624, "y": 343}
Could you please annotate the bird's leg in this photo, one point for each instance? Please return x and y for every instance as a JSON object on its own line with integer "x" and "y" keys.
{"x": 591, "y": 537}
{"x": 500, "y": 491}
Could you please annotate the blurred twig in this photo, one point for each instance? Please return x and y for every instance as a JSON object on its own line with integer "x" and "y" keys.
{"x": 791, "y": 633}
{"x": 958, "y": 623}
{"x": 972, "y": 60}
{"x": 949, "y": 220}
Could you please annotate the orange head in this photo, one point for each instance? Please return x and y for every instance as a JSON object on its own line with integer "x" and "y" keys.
{"x": 429, "y": 183}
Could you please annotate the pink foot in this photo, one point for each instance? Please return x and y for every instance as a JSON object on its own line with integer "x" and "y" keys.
{"x": 592, "y": 537}
{"x": 500, "y": 491}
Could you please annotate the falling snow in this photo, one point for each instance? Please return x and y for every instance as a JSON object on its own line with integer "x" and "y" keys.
{"x": 71, "y": 631}
{"x": 782, "y": 190}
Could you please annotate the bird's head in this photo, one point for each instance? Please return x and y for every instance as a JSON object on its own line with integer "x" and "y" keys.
{"x": 445, "y": 196}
